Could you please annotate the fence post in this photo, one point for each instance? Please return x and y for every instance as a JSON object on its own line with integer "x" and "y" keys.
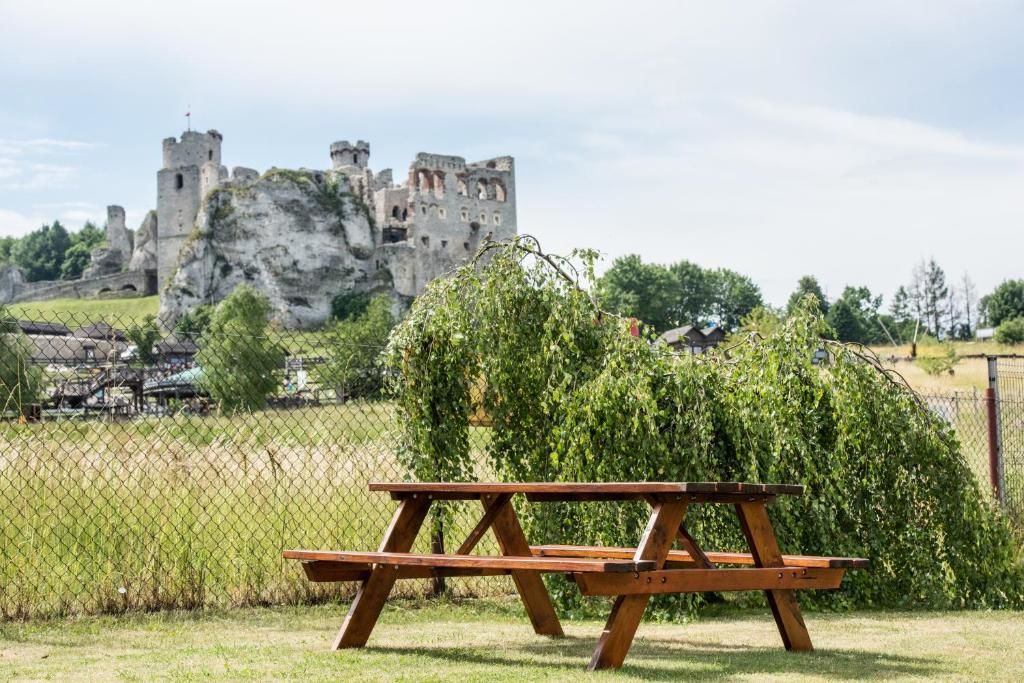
{"x": 995, "y": 460}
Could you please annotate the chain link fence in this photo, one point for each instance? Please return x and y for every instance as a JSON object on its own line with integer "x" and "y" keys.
{"x": 146, "y": 470}
{"x": 125, "y": 483}
{"x": 1009, "y": 386}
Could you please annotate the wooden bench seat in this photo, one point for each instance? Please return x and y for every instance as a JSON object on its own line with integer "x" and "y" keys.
{"x": 365, "y": 560}
{"x": 681, "y": 556}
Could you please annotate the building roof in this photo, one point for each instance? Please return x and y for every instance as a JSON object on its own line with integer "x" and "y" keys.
{"x": 45, "y": 328}
{"x": 678, "y": 335}
{"x": 173, "y": 346}
{"x": 101, "y": 330}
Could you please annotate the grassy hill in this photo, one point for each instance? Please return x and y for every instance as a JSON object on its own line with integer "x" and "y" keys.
{"x": 970, "y": 372}
{"x": 79, "y": 310}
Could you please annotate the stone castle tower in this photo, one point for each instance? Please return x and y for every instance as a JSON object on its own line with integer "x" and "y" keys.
{"x": 191, "y": 168}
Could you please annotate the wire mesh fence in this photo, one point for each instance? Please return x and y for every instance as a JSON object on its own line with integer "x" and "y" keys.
{"x": 1010, "y": 391}
{"x": 141, "y": 470}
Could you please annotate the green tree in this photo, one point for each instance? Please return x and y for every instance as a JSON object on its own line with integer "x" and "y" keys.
{"x": 194, "y": 322}
{"x": 355, "y": 345}
{"x": 6, "y": 247}
{"x": 21, "y": 380}
{"x": 646, "y": 291}
{"x": 349, "y": 304}
{"x": 1010, "y": 331}
{"x": 693, "y": 293}
{"x": 239, "y": 362}
{"x": 857, "y": 317}
{"x": 40, "y": 254}
{"x": 145, "y": 336}
{"x": 79, "y": 254}
{"x": 808, "y": 284}
{"x": 1006, "y": 302}
{"x": 572, "y": 396}
{"x": 733, "y": 297}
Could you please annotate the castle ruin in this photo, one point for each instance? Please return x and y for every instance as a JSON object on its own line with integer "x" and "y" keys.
{"x": 300, "y": 236}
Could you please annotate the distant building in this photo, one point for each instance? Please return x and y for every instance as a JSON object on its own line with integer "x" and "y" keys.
{"x": 693, "y": 339}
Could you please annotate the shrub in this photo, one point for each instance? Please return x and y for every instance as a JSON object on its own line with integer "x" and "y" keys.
{"x": 240, "y": 364}
{"x": 20, "y": 379}
{"x": 355, "y": 347}
{"x": 573, "y": 396}
{"x": 1011, "y": 331}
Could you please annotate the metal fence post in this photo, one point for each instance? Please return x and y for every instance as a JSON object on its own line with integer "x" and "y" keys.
{"x": 995, "y": 451}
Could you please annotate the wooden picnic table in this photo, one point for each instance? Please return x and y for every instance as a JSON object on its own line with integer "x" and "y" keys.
{"x": 630, "y": 575}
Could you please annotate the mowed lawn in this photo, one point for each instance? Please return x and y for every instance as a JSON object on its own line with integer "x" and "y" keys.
{"x": 491, "y": 641}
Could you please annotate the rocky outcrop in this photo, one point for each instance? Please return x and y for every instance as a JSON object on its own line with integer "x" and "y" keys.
{"x": 12, "y": 280}
{"x": 144, "y": 254}
{"x": 300, "y": 237}
{"x": 103, "y": 261}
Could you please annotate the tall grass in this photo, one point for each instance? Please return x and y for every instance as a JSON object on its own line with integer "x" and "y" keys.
{"x": 192, "y": 511}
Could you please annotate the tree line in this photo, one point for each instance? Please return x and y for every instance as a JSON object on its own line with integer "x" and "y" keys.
{"x": 51, "y": 252}
{"x": 930, "y": 303}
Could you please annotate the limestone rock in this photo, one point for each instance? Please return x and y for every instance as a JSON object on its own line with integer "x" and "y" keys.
{"x": 104, "y": 261}
{"x": 11, "y": 281}
{"x": 144, "y": 255}
{"x": 299, "y": 237}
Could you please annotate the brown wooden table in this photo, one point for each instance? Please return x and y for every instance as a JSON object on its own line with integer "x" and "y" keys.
{"x": 630, "y": 575}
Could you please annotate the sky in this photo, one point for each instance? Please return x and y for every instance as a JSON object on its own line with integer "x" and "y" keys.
{"x": 843, "y": 140}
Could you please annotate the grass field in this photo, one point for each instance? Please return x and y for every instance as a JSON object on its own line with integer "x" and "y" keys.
{"x": 491, "y": 642}
{"x": 81, "y": 309}
{"x": 968, "y": 374}
{"x": 186, "y": 511}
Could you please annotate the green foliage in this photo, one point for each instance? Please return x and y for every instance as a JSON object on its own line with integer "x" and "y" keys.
{"x": 356, "y": 343}
{"x": 940, "y": 363}
{"x": 808, "y": 284}
{"x": 683, "y": 293}
{"x": 76, "y": 259}
{"x": 240, "y": 363}
{"x": 21, "y": 380}
{"x": 145, "y": 336}
{"x": 1006, "y": 302}
{"x": 574, "y": 397}
{"x": 1011, "y": 331}
{"x": 349, "y": 304}
{"x": 40, "y": 254}
{"x": 194, "y": 322}
{"x": 641, "y": 290}
{"x": 853, "y": 317}
{"x": 763, "y": 320}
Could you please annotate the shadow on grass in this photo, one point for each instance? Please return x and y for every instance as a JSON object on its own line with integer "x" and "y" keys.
{"x": 670, "y": 659}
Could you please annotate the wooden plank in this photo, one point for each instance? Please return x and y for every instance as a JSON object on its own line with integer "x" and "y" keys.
{"x": 365, "y": 609}
{"x": 473, "y": 490}
{"x": 757, "y": 529}
{"x": 512, "y": 542}
{"x": 484, "y": 524}
{"x": 691, "y": 547}
{"x": 327, "y": 572}
{"x": 617, "y": 637}
{"x": 714, "y": 556}
{"x": 597, "y": 496}
{"x": 701, "y": 580}
{"x": 523, "y": 563}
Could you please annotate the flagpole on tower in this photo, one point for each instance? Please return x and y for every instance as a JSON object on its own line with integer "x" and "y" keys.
{"x": 188, "y": 118}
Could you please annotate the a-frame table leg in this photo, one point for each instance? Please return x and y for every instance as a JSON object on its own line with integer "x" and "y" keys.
{"x": 765, "y": 548}
{"x": 512, "y": 541}
{"x": 369, "y": 601}
{"x": 628, "y": 610}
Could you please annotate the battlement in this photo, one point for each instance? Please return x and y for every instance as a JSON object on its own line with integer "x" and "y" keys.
{"x": 193, "y": 149}
{"x": 437, "y": 162}
{"x": 344, "y": 153}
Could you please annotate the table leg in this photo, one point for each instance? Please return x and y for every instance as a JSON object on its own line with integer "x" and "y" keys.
{"x": 628, "y": 610}
{"x": 369, "y": 601}
{"x": 530, "y": 585}
{"x": 757, "y": 529}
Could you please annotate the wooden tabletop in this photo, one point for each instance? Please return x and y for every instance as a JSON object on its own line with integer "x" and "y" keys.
{"x": 696, "y": 490}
